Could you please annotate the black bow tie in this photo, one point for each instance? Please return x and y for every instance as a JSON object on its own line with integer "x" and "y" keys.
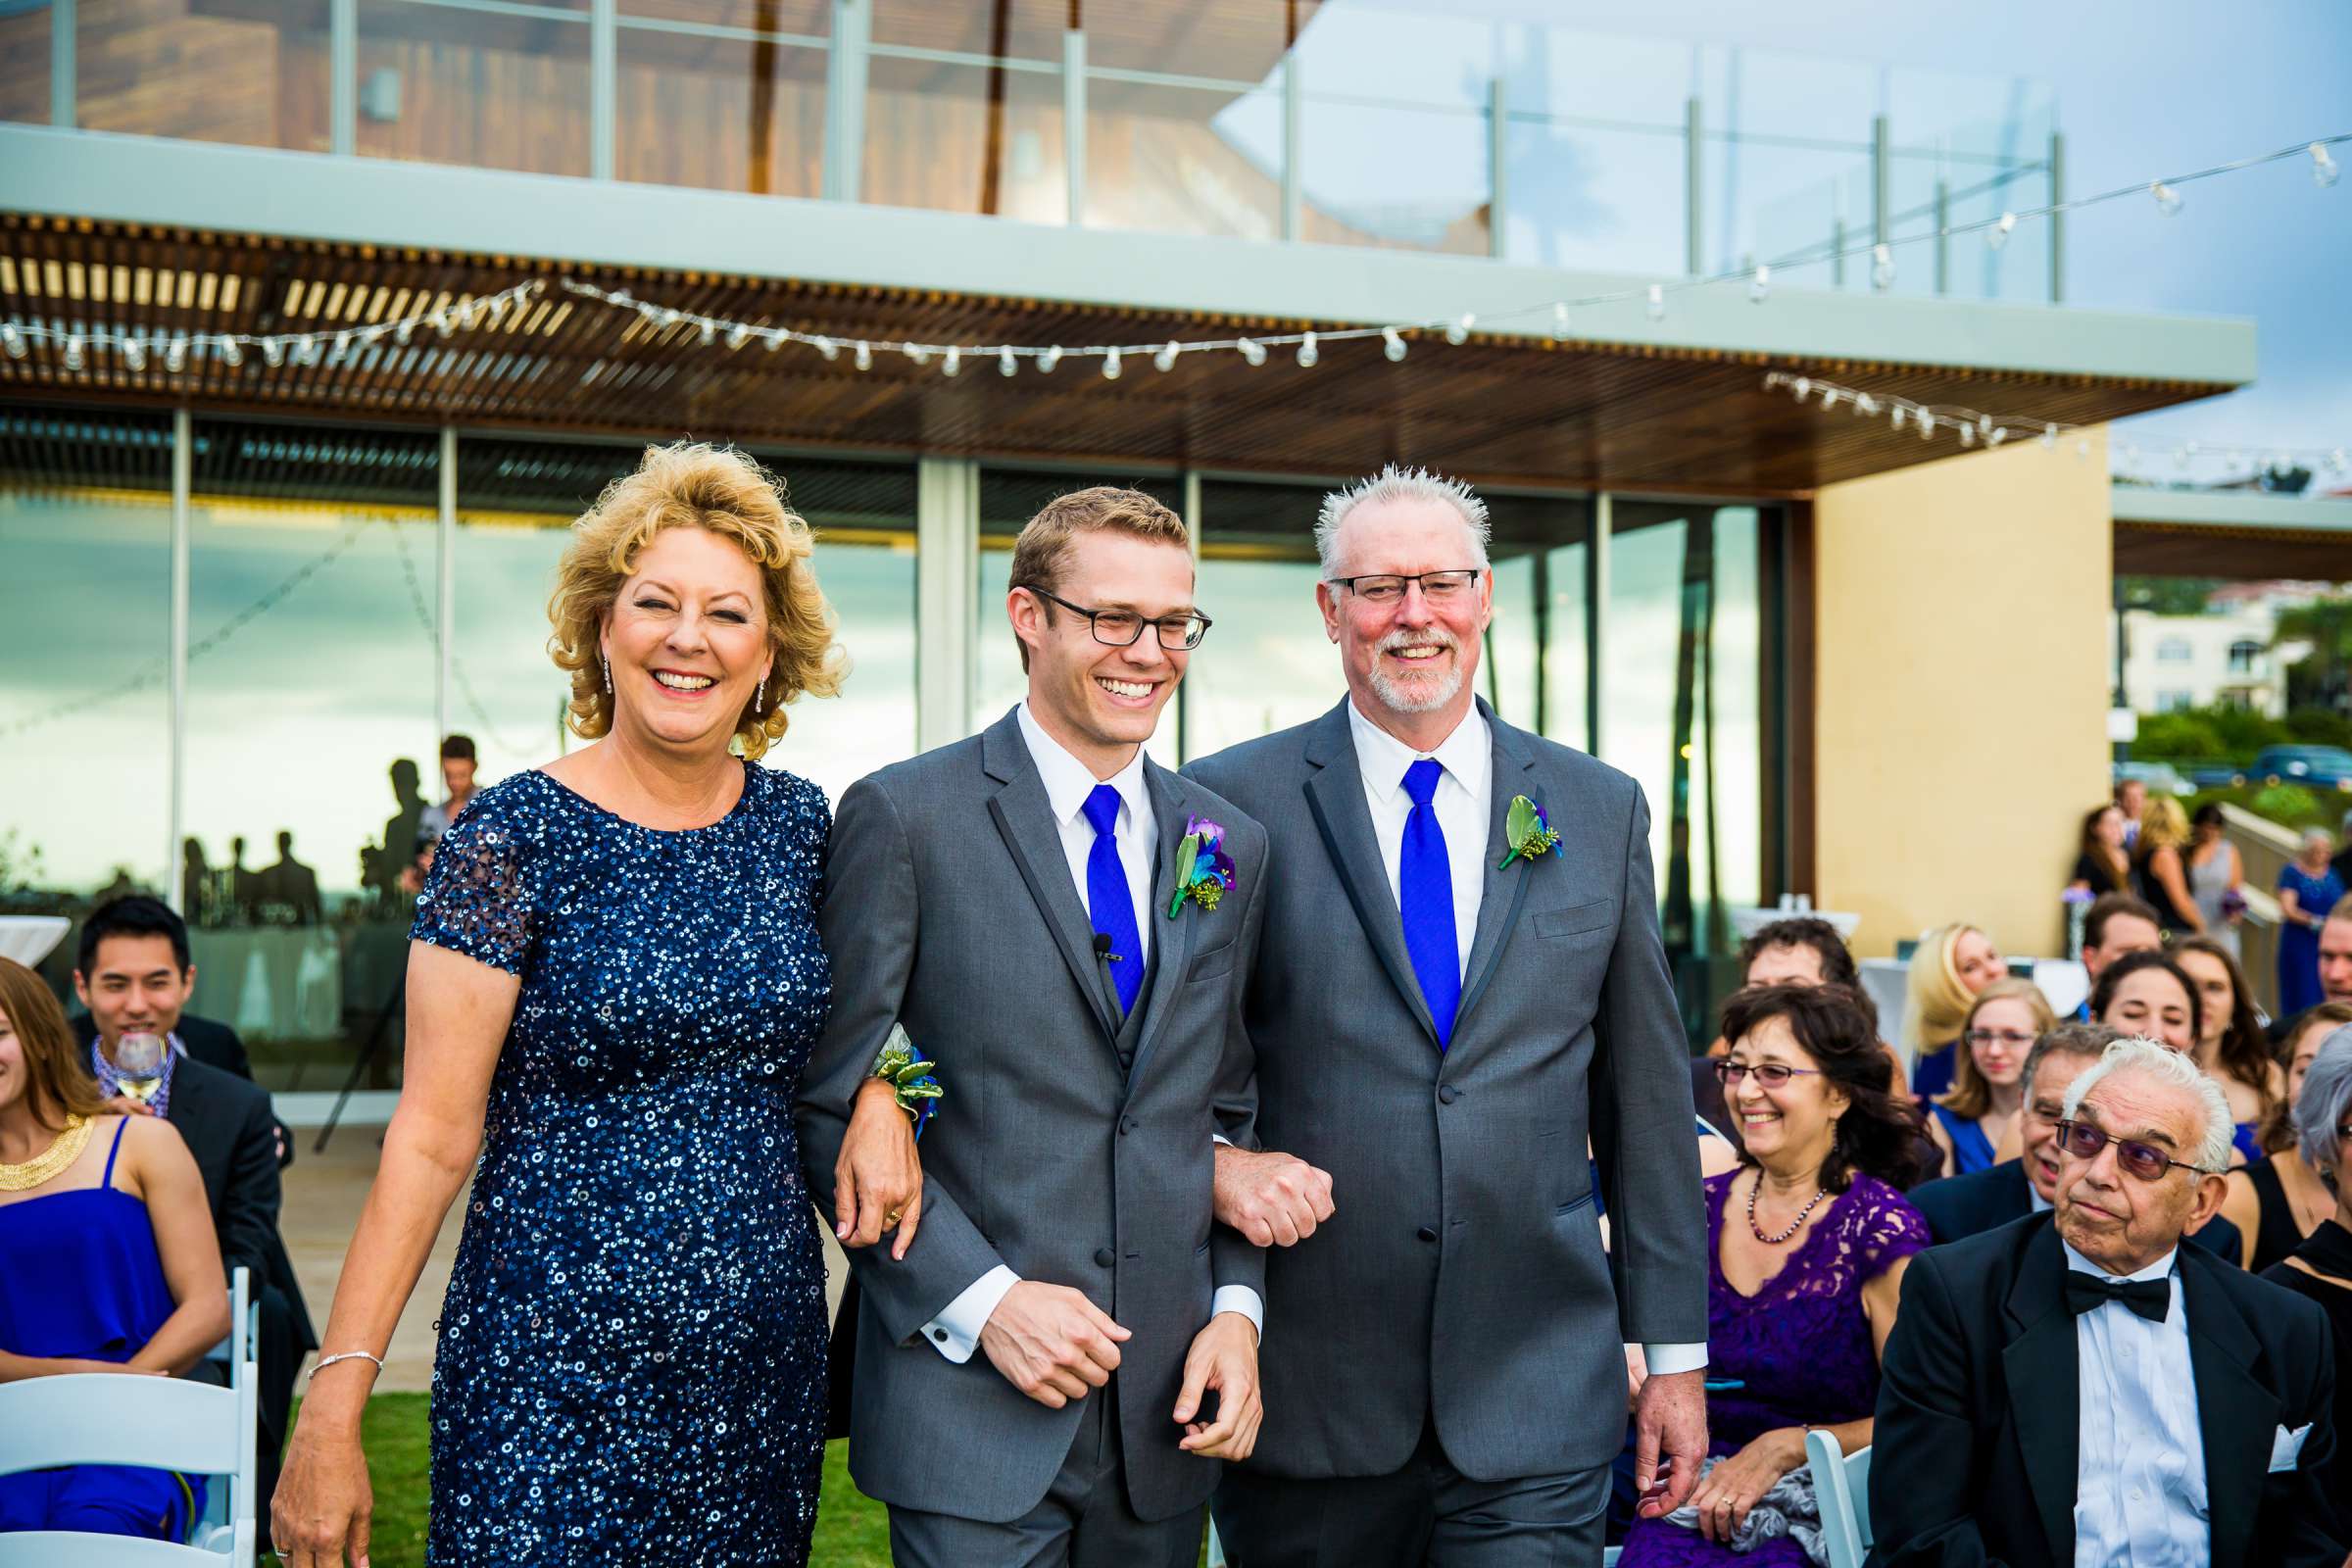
{"x": 2150, "y": 1299}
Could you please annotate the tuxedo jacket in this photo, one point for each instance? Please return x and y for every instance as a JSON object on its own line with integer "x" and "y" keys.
{"x": 1959, "y": 1207}
{"x": 1462, "y": 1273}
{"x": 1975, "y": 1448}
{"x": 1074, "y": 1145}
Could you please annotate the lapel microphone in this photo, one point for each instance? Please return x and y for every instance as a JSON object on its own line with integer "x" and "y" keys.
{"x": 1102, "y": 947}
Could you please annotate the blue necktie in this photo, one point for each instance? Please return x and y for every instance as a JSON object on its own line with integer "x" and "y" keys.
{"x": 1109, "y": 899}
{"x": 1425, "y": 900}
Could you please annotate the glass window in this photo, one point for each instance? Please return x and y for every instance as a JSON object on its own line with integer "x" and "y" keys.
{"x": 1535, "y": 669}
{"x": 965, "y": 139}
{"x": 85, "y": 530}
{"x": 1268, "y": 664}
{"x": 1163, "y": 157}
{"x": 255, "y": 75}
{"x": 722, "y": 94}
{"x": 24, "y": 45}
{"x": 2175, "y": 650}
{"x": 447, "y": 83}
{"x": 1009, "y": 499}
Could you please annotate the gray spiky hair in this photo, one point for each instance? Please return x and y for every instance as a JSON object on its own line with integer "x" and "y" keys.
{"x": 1395, "y": 482}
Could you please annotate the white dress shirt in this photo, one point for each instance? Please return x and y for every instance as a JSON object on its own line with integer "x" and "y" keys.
{"x": 2139, "y": 1475}
{"x": 1068, "y": 783}
{"x": 1464, "y": 800}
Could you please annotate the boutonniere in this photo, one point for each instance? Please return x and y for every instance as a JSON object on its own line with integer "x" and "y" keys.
{"x": 1207, "y": 871}
{"x": 1528, "y": 831}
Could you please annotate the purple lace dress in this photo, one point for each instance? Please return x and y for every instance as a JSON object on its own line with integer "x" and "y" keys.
{"x": 1801, "y": 1343}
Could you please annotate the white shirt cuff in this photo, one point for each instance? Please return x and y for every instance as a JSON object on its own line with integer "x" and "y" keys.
{"x": 1243, "y": 1300}
{"x": 956, "y": 1332}
{"x": 1222, "y": 1139}
{"x": 1663, "y": 1360}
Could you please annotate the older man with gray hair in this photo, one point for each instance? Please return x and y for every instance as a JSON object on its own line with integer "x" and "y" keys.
{"x": 2093, "y": 1391}
{"x": 2321, "y": 1268}
{"x": 1461, "y": 982}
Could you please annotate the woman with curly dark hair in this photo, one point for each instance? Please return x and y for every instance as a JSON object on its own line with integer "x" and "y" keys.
{"x": 1808, "y": 1241}
{"x": 2232, "y": 1047}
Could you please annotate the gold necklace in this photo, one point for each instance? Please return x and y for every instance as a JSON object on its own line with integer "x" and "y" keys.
{"x": 62, "y": 1150}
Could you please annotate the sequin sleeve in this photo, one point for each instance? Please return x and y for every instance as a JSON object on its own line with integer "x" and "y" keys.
{"x": 476, "y": 899}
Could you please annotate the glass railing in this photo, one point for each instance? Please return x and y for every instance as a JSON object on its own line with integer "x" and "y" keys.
{"x": 1370, "y": 128}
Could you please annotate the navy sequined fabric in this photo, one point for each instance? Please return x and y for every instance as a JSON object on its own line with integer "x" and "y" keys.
{"x": 632, "y": 1352}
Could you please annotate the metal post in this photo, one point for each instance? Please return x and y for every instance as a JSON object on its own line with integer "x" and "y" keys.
{"x": 1597, "y": 616}
{"x": 1074, "y": 120}
{"x": 1881, "y": 180}
{"x": 1838, "y": 248}
{"x": 1499, "y": 165}
{"x": 845, "y": 101}
{"x": 445, "y": 625}
{"x": 63, "y": 83}
{"x": 1189, "y": 499}
{"x": 184, "y": 469}
{"x": 343, "y": 76}
{"x": 604, "y": 85}
{"x": 1695, "y": 184}
{"x": 1294, "y": 174}
{"x": 2057, "y": 219}
{"x": 947, "y": 579}
{"x": 1943, "y": 239}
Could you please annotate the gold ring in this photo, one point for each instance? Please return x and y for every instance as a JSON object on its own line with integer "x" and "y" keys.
{"x": 891, "y": 1218}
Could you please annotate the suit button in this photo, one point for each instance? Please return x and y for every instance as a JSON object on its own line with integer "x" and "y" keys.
{"x": 1126, "y": 1125}
{"x": 1426, "y": 1233}
{"x": 941, "y": 1335}
{"x": 1105, "y": 1258}
{"x": 1447, "y": 1093}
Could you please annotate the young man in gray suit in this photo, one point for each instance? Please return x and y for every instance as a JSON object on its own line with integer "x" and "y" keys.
{"x": 1449, "y": 1003}
{"x": 1016, "y": 901}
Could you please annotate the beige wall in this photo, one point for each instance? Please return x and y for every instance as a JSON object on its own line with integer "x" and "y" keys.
{"x": 1963, "y": 690}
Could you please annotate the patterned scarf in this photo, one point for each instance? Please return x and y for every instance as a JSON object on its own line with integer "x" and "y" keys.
{"x": 109, "y": 1081}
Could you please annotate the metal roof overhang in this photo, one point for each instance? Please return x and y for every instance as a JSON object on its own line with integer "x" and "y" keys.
{"x": 1670, "y": 406}
{"x": 2242, "y": 534}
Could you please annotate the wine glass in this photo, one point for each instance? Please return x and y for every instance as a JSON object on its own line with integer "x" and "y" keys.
{"x": 139, "y": 1063}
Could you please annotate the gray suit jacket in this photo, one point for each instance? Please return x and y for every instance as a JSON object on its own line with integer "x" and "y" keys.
{"x": 1074, "y": 1148}
{"x": 1463, "y": 1272}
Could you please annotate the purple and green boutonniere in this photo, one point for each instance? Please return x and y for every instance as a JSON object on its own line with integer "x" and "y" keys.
{"x": 1528, "y": 831}
{"x": 1205, "y": 870}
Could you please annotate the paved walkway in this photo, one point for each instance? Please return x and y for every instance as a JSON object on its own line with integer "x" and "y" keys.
{"x": 323, "y": 1195}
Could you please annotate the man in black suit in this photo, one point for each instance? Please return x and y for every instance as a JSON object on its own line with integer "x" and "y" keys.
{"x": 1960, "y": 1206}
{"x": 2093, "y": 1390}
{"x": 133, "y": 972}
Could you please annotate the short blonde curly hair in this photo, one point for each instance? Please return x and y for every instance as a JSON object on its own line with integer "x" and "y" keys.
{"x": 692, "y": 485}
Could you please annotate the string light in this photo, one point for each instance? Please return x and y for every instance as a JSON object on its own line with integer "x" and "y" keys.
{"x": 232, "y": 354}
{"x": 1759, "y": 285}
{"x": 1459, "y": 332}
{"x": 1111, "y": 365}
{"x": 135, "y": 355}
{"x": 1392, "y": 344}
{"x": 2168, "y": 200}
{"x": 864, "y": 357}
{"x": 2323, "y": 172}
{"x": 916, "y": 353}
{"x": 1006, "y": 364}
{"x": 1998, "y": 234}
{"x": 773, "y": 341}
{"x": 273, "y": 352}
{"x": 1252, "y": 352}
{"x": 1657, "y": 301}
{"x": 738, "y": 335}
{"x": 1165, "y": 360}
{"x": 822, "y": 344}
{"x": 1882, "y": 266}
{"x": 1049, "y": 359}
{"x": 1308, "y": 354}
{"x": 175, "y": 355}
{"x": 11, "y": 338}
{"x": 73, "y": 354}
{"x": 1559, "y": 321}
{"x": 952, "y": 362}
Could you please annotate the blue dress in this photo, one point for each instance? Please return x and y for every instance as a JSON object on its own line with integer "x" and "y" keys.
{"x": 632, "y": 1352}
{"x": 1931, "y": 1073}
{"x": 82, "y": 1279}
{"x": 2299, "y": 945}
{"x": 1971, "y": 1149}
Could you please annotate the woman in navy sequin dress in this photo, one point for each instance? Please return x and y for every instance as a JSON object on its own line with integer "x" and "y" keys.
{"x": 615, "y": 982}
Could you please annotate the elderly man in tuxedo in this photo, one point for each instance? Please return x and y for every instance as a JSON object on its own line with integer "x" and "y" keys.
{"x": 1959, "y": 1207}
{"x": 1461, "y": 982}
{"x": 1062, "y": 1344}
{"x": 2093, "y": 1391}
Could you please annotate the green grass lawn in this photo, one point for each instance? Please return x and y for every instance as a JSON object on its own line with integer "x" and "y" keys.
{"x": 851, "y": 1529}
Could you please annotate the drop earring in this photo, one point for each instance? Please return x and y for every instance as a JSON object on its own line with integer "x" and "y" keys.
{"x": 608, "y": 664}
{"x": 759, "y": 697}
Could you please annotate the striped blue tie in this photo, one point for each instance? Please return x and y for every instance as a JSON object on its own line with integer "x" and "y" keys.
{"x": 1109, "y": 899}
{"x": 1425, "y": 901}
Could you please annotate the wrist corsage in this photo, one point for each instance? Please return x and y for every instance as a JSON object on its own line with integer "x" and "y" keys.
{"x": 908, "y": 1076}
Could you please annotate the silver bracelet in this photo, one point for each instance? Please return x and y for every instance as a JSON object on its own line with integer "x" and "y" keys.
{"x": 327, "y": 1361}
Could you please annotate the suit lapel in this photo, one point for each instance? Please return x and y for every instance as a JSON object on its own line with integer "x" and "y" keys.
{"x": 2042, "y": 1367}
{"x": 2236, "y": 1414}
{"x": 1171, "y": 940}
{"x": 1025, "y": 817}
{"x": 1506, "y": 886}
{"x": 1335, "y": 796}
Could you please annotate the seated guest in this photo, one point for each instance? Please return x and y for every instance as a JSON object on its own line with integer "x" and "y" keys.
{"x": 2321, "y": 1268}
{"x": 1802, "y": 950}
{"x": 107, "y": 1263}
{"x": 2093, "y": 1391}
{"x": 2102, "y": 867}
{"x": 2147, "y": 994}
{"x": 1975, "y": 1124}
{"x": 2230, "y": 1045}
{"x": 133, "y": 973}
{"x": 1958, "y": 1206}
{"x": 2278, "y": 1202}
{"x": 1948, "y": 970}
{"x": 1807, "y": 1244}
{"x": 2116, "y": 924}
{"x": 2160, "y": 866}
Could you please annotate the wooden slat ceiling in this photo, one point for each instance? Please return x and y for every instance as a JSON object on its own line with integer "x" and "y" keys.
{"x": 1499, "y": 411}
{"x": 2183, "y": 549}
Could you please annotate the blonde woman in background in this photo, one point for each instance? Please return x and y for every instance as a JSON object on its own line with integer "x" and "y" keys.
{"x": 1952, "y": 966}
{"x": 2159, "y": 869}
{"x": 1975, "y": 1125}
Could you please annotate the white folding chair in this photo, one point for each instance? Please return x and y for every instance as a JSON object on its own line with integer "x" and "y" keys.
{"x": 1841, "y": 1485}
{"x": 108, "y": 1418}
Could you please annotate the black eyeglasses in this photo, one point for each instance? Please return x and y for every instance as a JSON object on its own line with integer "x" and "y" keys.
{"x": 1386, "y": 588}
{"x": 2143, "y": 1160}
{"x": 1771, "y": 1075}
{"x": 1121, "y": 628}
